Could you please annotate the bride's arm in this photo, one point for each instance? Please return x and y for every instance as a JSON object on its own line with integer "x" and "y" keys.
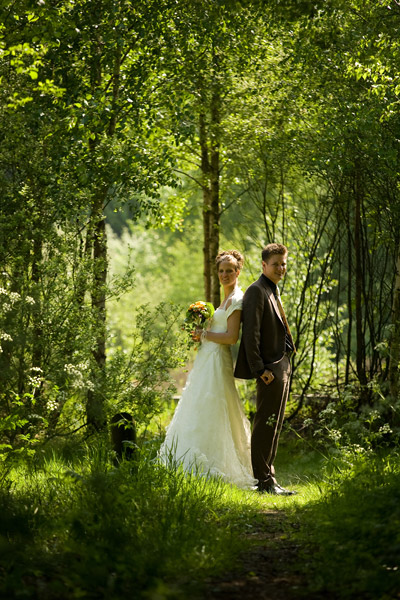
{"x": 231, "y": 335}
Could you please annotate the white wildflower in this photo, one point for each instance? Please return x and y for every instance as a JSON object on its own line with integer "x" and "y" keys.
{"x": 78, "y": 376}
{"x": 335, "y": 434}
{"x": 52, "y": 405}
{"x": 5, "y": 336}
{"x": 385, "y": 428}
{"x": 35, "y": 381}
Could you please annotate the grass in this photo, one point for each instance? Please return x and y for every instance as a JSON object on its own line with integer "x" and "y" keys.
{"x": 351, "y": 533}
{"x": 346, "y": 520}
{"x": 75, "y": 526}
{"x": 84, "y": 528}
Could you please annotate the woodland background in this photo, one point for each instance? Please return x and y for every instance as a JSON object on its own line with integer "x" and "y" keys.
{"x": 137, "y": 139}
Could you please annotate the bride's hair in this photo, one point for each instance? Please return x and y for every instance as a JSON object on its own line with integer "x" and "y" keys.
{"x": 231, "y": 256}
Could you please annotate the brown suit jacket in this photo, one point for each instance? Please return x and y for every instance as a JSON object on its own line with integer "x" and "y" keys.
{"x": 263, "y": 333}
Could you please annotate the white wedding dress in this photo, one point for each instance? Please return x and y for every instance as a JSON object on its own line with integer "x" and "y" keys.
{"x": 209, "y": 433}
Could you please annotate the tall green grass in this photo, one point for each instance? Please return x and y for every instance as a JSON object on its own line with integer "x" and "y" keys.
{"x": 75, "y": 526}
{"x": 84, "y": 528}
{"x": 351, "y": 533}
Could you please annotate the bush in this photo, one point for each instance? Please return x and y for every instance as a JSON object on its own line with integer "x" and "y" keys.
{"x": 353, "y": 531}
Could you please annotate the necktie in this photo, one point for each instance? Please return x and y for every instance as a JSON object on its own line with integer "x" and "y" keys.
{"x": 284, "y": 319}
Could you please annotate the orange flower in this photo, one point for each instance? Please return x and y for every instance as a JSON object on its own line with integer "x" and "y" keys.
{"x": 196, "y": 315}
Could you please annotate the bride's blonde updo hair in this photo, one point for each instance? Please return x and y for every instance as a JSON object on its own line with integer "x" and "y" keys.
{"x": 233, "y": 256}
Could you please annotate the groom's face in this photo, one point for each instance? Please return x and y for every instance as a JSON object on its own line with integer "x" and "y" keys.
{"x": 275, "y": 267}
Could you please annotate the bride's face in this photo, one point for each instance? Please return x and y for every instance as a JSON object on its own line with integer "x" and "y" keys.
{"x": 227, "y": 273}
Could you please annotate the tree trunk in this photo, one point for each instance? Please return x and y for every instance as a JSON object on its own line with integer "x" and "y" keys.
{"x": 37, "y": 342}
{"x": 215, "y": 205}
{"x": 95, "y": 398}
{"x": 360, "y": 351}
{"x": 205, "y": 170}
{"x": 349, "y": 297}
{"x": 209, "y": 133}
{"x": 394, "y": 359}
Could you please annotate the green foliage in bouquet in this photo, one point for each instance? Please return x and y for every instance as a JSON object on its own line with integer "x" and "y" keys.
{"x": 197, "y": 315}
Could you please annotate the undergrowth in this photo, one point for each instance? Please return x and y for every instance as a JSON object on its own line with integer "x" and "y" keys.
{"x": 350, "y": 534}
{"x": 86, "y": 528}
{"x": 73, "y": 525}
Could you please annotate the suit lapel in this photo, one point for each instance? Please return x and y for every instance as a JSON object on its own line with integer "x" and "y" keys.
{"x": 271, "y": 296}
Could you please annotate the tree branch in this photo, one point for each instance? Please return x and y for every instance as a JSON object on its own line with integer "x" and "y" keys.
{"x": 203, "y": 187}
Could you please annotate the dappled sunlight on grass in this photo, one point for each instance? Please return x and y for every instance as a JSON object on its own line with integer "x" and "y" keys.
{"x": 78, "y": 523}
{"x": 82, "y": 524}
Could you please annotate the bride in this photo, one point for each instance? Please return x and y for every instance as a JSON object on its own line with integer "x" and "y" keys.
{"x": 209, "y": 433}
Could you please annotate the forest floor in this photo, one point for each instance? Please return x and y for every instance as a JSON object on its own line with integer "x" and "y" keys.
{"x": 269, "y": 570}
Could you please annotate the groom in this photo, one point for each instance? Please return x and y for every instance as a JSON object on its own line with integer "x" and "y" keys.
{"x": 264, "y": 354}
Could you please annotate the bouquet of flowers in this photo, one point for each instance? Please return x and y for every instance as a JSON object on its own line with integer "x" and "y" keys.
{"x": 196, "y": 315}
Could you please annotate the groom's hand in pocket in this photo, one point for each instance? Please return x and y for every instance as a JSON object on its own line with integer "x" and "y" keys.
{"x": 267, "y": 377}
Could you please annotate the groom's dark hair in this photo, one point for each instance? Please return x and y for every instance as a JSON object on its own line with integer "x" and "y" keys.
{"x": 271, "y": 249}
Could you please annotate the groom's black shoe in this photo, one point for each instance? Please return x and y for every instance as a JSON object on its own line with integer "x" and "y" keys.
{"x": 277, "y": 490}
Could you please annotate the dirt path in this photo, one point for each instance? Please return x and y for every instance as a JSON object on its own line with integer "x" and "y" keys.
{"x": 267, "y": 571}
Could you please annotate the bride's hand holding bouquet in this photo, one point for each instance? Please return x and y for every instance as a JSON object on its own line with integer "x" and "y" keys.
{"x": 197, "y": 316}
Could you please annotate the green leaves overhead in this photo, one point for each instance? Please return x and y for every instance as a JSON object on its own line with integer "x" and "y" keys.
{"x": 283, "y": 116}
